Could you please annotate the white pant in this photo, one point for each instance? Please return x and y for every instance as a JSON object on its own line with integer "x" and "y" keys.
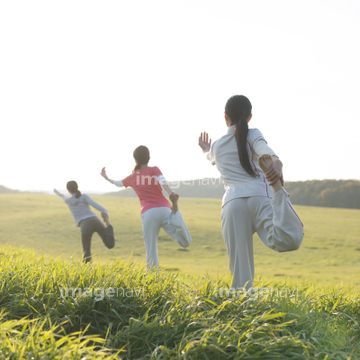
{"x": 174, "y": 225}
{"x": 276, "y": 223}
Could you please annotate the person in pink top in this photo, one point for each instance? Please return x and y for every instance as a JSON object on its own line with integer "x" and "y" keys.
{"x": 156, "y": 211}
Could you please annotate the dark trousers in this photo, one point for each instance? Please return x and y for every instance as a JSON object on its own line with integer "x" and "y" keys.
{"x": 90, "y": 225}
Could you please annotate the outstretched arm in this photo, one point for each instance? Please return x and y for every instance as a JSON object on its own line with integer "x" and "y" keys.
{"x": 118, "y": 183}
{"x": 61, "y": 195}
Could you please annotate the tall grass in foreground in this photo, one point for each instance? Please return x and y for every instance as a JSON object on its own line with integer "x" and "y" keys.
{"x": 67, "y": 310}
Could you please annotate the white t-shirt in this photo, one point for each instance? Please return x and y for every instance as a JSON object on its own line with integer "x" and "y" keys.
{"x": 237, "y": 182}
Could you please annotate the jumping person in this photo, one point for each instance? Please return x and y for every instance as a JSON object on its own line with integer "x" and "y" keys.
{"x": 156, "y": 211}
{"x": 87, "y": 220}
{"x": 249, "y": 203}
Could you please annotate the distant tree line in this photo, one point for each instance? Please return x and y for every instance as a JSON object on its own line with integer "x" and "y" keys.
{"x": 327, "y": 193}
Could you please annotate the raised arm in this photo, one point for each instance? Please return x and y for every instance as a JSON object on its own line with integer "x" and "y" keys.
{"x": 118, "y": 183}
{"x": 61, "y": 195}
{"x": 205, "y": 144}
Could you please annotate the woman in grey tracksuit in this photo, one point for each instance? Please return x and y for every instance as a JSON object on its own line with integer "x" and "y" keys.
{"x": 79, "y": 205}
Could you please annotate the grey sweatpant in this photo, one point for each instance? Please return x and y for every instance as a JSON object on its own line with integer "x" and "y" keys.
{"x": 276, "y": 223}
{"x": 162, "y": 217}
{"x": 93, "y": 224}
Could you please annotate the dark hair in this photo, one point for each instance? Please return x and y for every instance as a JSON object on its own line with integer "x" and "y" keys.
{"x": 72, "y": 187}
{"x": 238, "y": 109}
{"x": 142, "y": 156}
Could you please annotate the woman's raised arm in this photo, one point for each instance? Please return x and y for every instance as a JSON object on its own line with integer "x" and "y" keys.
{"x": 205, "y": 142}
{"x": 118, "y": 183}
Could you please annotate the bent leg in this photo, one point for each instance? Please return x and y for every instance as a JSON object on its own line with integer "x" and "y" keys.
{"x": 151, "y": 223}
{"x": 105, "y": 232}
{"x": 276, "y": 222}
{"x": 237, "y": 232}
{"x": 175, "y": 226}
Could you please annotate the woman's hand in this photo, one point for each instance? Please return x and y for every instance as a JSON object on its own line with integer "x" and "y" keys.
{"x": 275, "y": 172}
{"x": 205, "y": 142}
{"x": 173, "y": 197}
{"x": 103, "y": 173}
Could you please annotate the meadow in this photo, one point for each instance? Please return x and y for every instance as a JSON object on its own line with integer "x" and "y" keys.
{"x": 330, "y": 252}
{"x": 64, "y": 309}
{"x": 306, "y": 304}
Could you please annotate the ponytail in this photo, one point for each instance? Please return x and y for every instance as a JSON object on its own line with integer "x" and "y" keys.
{"x": 238, "y": 108}
{"x": 137, "y": 167}
{"x": 241, "y": 132}
{"x": 77, "y": 194}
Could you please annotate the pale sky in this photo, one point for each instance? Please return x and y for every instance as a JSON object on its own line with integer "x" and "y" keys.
{"x": 82, "y": 83}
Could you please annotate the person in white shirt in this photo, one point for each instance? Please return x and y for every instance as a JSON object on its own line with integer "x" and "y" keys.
{"x": 249, "y": 204}
{"x": 89, "y": 223}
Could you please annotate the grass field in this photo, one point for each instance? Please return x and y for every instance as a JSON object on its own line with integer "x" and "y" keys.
{"x": 330, "y": 252}
{"x": 305, "y": 306}
{"x": 63, "y": 309}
